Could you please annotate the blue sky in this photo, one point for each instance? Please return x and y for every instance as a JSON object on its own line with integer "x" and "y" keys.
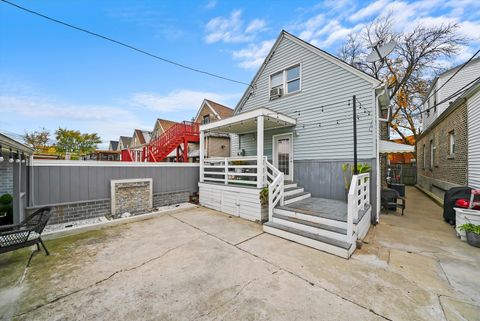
{"x": 52, "y": 76}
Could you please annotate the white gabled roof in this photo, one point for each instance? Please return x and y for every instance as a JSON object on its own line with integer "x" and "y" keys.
{"x": 316, "y": 50}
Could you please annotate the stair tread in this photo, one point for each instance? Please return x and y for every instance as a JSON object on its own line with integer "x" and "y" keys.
{"x": 288, "y": 189}
{"x": 312, "y": 224}
{"x": 288, "y": 197}
{"x": 320, "y": 238}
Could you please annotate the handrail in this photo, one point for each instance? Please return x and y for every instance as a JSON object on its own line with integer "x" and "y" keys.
{"x": 358, "y": 199}
{"x": 177, "y": 130}
{"x": 275, "y": 188}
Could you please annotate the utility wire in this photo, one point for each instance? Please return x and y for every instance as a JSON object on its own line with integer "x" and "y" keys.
{"x": 456, "y": 93}
{"x": 124, "y": 44}
{"x": 456, "y": 72}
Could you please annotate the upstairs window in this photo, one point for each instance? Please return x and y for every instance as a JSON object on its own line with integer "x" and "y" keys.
{"x": 432, "y": 154}
{"x": 206, "y": 119}
{"x": 286, "y": 81}
{"x": 293, "y": 79}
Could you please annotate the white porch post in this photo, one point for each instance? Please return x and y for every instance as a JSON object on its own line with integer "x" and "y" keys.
{"x": 202, "y": 153}
{"x": 260, "y": 128}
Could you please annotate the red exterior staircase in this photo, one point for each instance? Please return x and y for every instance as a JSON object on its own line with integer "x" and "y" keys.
{"x": 173, "y": 138}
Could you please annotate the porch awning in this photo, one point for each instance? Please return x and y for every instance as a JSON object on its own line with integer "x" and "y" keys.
{"x": 7, "y": 142}
{"x": 247, "y": 122}
{"x": 391, "y": 147}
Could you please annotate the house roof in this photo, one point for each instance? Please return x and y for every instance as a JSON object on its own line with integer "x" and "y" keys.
{"x": 314, "y": 49}
{"x": 114, "y": 144}
{"x": 143, "y": 135}
{"x": 220, "y": 110}
{"x": 7, "y": 142}
{"x": 474, "y": 88}
{"x": 445, "y": 73}
{"x": 165, "y": 124}
{"x": 126, "y": 141}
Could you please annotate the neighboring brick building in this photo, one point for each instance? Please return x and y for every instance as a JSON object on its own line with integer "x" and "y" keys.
{"x": 216, "y": 144}
{"x": 443, "y": 148}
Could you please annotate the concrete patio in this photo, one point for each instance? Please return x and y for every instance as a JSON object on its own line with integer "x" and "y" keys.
{"x": 199, "y": 264}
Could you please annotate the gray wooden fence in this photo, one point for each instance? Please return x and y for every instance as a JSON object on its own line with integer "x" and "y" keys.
{"x": 57, "y": 182}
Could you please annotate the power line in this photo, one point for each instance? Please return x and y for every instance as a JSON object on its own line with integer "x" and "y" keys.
{"x": 456, "y": 93}
{"x": 124, "y": 44}
{"x": 456, "y": 72}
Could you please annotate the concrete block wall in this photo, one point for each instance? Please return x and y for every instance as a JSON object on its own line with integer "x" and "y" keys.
{"x": 6, "y": 178}
{"x": 68, "y": 212}
{"x": 170, "y": 198}
{"x": 448, "y": 170}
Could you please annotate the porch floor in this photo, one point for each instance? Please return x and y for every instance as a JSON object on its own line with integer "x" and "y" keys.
{"x": 323, "y": 207}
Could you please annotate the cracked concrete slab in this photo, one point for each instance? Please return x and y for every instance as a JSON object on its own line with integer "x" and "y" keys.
{"x": 231, "y": 229}
{"x": 200, "y": 264}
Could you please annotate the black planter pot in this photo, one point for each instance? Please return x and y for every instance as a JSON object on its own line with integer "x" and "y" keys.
{"x": 473, "y": 239}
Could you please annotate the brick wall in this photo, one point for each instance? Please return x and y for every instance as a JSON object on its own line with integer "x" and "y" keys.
{"x": 164, "y": 199}
{"x": 68, "y": 212}
{"x": 6, "y": 178}
{"x": 448, "y": 170}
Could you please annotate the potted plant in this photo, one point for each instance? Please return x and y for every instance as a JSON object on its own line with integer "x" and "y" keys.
{"x": 264, "y": 196}
{"x": 6, "y": 209}
{"x": 347, "y": 170}
{"x": 473, "y": 233}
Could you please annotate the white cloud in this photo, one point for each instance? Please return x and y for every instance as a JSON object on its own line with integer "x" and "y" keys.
{"x": 231, "y": 29}
{"x": 253, "y": 56}
{"x": 211, "y": 4}
{"x": 33, "y": 107}
{"x": 370, "y": 10}
{"x": 109, "y": 122}
{"x": 179, "y": 100}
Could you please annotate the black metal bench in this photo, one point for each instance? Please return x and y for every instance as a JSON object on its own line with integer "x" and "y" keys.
{"x": 26, "y": 233}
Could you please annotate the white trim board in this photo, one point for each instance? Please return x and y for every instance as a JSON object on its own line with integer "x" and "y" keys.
{"x": 43, "y": 163}
{"x": 291, "y": 165}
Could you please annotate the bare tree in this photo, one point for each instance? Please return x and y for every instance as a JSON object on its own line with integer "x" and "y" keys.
{"x": 408, "y": 68}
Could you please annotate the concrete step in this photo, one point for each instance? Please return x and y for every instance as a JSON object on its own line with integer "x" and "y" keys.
{"x": 297, "y": 197}
{"x": 337, "y": 233}
{"x": 289, "y": 184}
{"x": 292, "y": 191}
{"x": 322, "y": 243}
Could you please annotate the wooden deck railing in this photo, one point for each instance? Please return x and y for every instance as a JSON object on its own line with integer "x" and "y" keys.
{"x": 231, "y": 170}
{"x": 275, "y": 181}
{"x": 358, "y": 200}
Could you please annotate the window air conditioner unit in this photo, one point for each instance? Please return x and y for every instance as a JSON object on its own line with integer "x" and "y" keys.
{"x": 276, "y": 93}
{"x": 241, "y": 152}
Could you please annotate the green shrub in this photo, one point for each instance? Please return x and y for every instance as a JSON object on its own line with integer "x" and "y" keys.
{"x": 264, "y": 196}
{"x": 6, "y": 199}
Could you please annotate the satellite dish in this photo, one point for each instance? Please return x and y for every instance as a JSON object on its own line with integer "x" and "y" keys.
{"x": 380, "y": 52}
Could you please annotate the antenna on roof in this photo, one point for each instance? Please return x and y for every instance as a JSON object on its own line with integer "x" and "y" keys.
{"x": 380, "y": 52}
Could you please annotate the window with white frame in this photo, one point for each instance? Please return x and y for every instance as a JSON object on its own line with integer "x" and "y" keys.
{"x": 424, "y": 156}
{"x": 288, "y": 80}
{"x": 432, "y": 154}
{"x": 451, "y": 143}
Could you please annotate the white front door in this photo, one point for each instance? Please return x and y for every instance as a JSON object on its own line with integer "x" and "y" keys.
{"x": 283, "y": 154}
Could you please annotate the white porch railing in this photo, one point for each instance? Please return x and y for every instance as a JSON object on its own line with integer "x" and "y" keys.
{"x": 275, "y": 182}
{"x": 231, "y": 170}
{"x": 358, "y": 200}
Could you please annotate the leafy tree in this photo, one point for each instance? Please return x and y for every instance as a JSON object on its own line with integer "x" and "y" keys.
{"x": 407, "y": 69}
{"x": 37, "y": 139}
{"x": 73, "y": 141}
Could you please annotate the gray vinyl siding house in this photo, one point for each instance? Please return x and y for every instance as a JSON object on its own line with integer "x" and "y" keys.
{"x": 290, "y": 135}
{"x": 320, "y": 145}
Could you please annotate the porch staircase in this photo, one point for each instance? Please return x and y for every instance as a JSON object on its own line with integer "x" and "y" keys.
{"x": 323, "y": 224}
{"x": 175, "y": 137}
